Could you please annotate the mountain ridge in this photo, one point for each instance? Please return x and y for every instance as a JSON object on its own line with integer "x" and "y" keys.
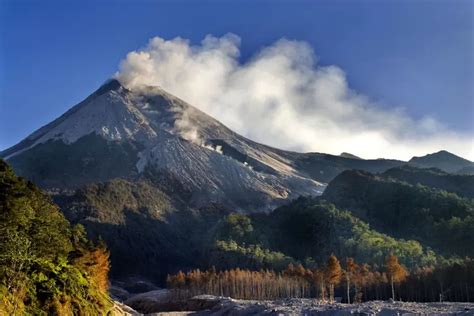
{"x": 443, "y": 160}
{"x": 119, "y": 133}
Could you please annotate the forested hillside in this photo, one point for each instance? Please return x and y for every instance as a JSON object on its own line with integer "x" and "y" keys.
{"x": 462, "y": 185}
{"x": 366, "y": 220}
{"x": 294, "y": 251}
{"x": 438, "y": 219}
{"x": 149, "y": 232}
{"x": 47, "y": 267}
{"x": 152, "y": 232}
{"x": 307, "y": 231}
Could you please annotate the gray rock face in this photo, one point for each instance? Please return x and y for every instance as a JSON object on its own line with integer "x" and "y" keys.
{"x": 151, "y": 130}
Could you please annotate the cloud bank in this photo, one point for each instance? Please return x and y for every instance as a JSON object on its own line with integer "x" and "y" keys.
{"x": 282, "y": 97}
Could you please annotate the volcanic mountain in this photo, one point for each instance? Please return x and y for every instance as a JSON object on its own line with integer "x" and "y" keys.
{"x": 119, "y": 133}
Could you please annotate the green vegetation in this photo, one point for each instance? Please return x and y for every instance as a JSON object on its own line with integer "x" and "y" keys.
{"x": 462, "y": 185}
{"x": 152, "y": 234}
{"x": 308, "y": 230}
{"x": 107, "y": 201}
{"x": 231, "y": 254}
{"x": 324, "y": 229}
{"x": 46, "y": 266}
{"x": 437, "y": 219}
{"x": 151, "y": 231}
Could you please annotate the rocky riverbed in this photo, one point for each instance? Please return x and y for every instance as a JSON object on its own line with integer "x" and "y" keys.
{"x": 153, "y": 303}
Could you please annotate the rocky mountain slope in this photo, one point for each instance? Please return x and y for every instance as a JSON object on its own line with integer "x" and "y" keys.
{"x": 121, "y": 133}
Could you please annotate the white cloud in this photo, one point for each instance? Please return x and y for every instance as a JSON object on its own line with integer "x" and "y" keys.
{"x": 283, "y": 98}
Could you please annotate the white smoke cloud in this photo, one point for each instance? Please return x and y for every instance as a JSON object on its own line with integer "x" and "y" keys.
{"x": 283, "y": 98}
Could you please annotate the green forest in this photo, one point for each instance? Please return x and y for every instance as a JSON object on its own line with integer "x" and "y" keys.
{"x": 369, "y": 236}
{"x": 47, "y": 266}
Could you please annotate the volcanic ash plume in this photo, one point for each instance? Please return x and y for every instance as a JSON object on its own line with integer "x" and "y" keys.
{"x": 284, "y": 98}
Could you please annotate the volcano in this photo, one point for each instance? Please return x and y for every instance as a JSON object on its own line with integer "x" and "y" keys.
{"x": 119, "y": 133}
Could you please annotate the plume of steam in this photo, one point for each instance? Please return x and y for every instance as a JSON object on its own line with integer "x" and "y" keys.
{"x": 184, "y": 127}
{"x": 187, "y": 130}
{"x": 284, "y": 98}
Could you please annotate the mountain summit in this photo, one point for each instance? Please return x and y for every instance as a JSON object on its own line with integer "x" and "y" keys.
{"x": 445, "y": 161}
{"x": 117, "y": 132}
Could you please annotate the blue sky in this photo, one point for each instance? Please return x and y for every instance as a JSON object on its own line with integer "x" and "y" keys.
{"x": 412, "y": 54}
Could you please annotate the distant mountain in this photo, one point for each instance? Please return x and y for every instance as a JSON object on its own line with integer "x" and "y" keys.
{"x": 326, "y": 167}
{"x": 349, "y": 155}
{"x": 445, "y": 161}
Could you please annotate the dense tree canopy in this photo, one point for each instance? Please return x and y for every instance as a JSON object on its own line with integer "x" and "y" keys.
{"x": 397, "y": 209}
{"x": 303, "y": 231}
{"x": 46, "y": 266}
